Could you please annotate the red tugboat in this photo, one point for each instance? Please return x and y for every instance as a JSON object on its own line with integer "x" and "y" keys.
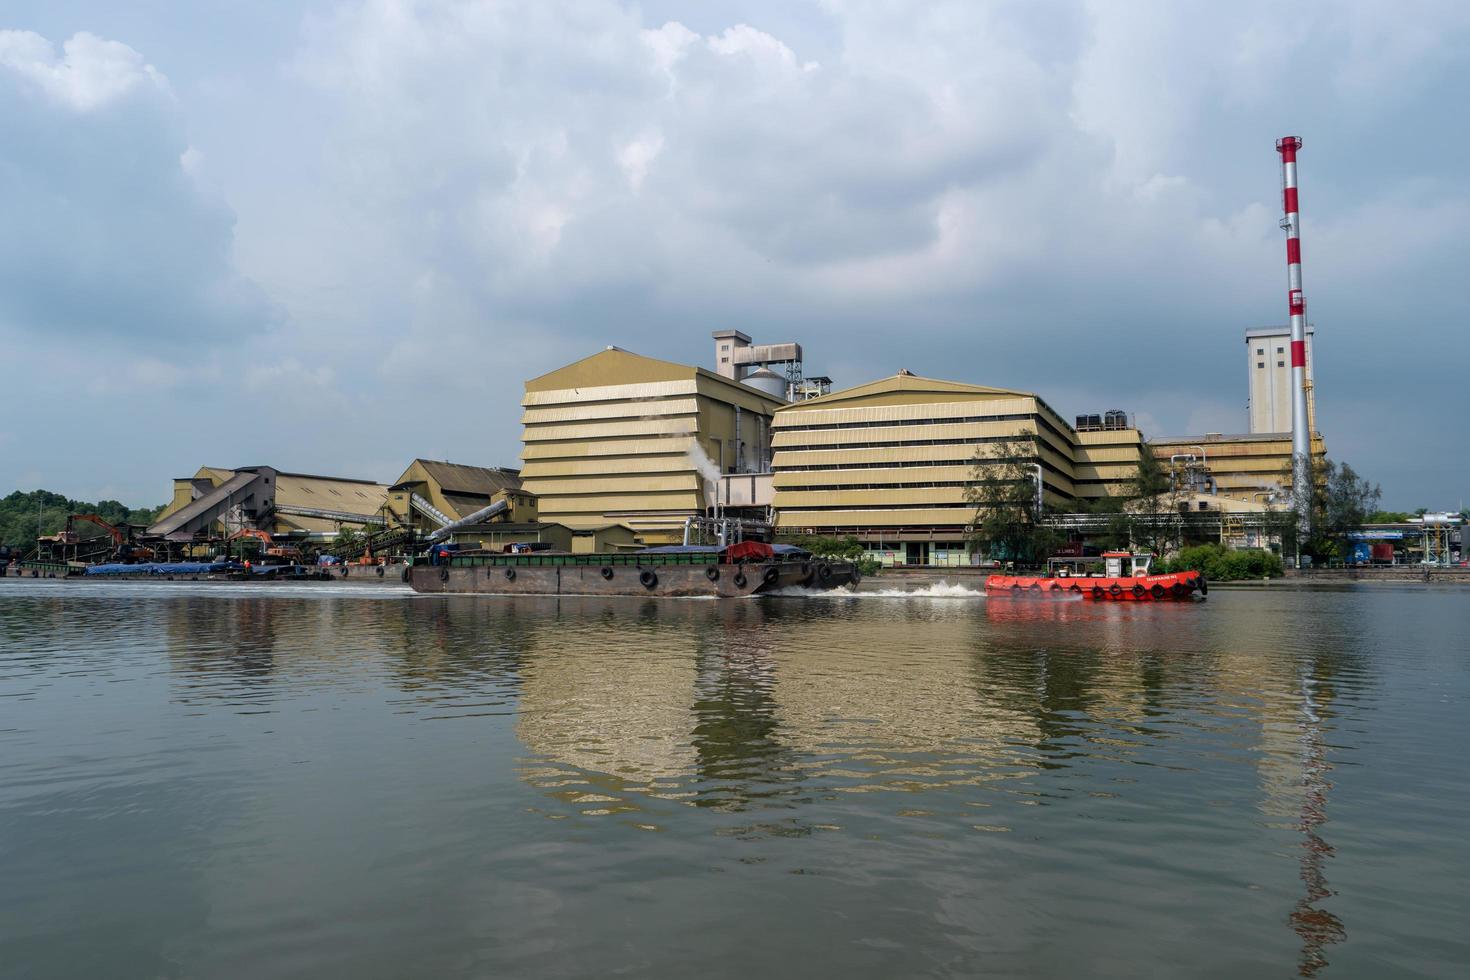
{"x": 1117, "y": 582}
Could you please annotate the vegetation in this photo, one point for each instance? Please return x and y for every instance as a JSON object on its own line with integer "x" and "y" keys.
{"x": 1008, "y": 510}
{"x": 1221, "y": 564}
{"x": 27, "y": 515}
{"x": 846, "y": 548}
{"x": 1342, "y": 502}
{"x": 1153, "y": 520}
{"x": 348, "y": 537}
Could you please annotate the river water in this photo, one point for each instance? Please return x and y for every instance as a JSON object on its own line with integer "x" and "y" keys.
{"x": 201, "y": 780}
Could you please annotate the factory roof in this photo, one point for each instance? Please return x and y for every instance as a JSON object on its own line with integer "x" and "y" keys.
{"x": 905, "y": 382}
{"x": 1274, "y": 331}
{"x": 464, "y": 479}
{"x": 615, "y": 367}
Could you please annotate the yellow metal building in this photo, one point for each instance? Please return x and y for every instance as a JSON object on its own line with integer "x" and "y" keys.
{"x": 890, "y": 461}
{"x": 215, "y": 502}
{"x": 453, "y": 491}
{"x": 618, "y": 438}
{"x": 1245, "y": 467}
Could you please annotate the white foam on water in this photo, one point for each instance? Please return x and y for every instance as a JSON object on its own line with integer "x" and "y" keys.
{"x": 939, "y": 590}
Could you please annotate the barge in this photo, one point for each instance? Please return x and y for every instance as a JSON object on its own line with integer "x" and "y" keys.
{"x": 742, "y": 569}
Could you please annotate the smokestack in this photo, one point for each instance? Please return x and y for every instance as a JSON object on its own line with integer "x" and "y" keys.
{"x": 1301, "y": 434}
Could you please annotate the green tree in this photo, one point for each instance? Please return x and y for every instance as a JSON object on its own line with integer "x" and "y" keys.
{"x": 1007, "y": 502}
{"x": 1342, "y": 503}
{"x": 26, "y": 515}
{"x": 1153, "y": 519}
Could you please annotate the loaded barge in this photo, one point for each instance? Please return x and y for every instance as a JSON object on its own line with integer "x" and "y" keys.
{"x": 741, "y": 569}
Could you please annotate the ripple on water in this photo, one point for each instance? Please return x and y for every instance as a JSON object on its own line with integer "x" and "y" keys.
{"x": 442, "y": 779}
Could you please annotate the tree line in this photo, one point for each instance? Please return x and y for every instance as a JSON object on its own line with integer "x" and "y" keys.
{"x": 27, "y": 515}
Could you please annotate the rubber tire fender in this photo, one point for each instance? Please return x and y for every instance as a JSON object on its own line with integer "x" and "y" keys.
{"x": 857, "y": 575}
{"x": 1015, "y": 588}
{"x": 1158, "y": 591}
{"x": 740, "y": 580}
{"x": 510, "y": 574}
{"x": 1075, "y": 589}
{"x": 772, "y": 573}
{"x": 1115, "y": 589}
{"x": 824, "y": 571}
{"x": 1098, "y": 592}
{"x": 606, "y": 572}
{"x": 647, "y": 578}
{"x": 1180, "y": 590}
{"x": 1055, "y": 587}
{"x": 1138, "y": 590}
{"x": 712, "y": 573}
{"x": 443, "y": 573}
{"x": 1034, "y": 587}
{"x": 1204, "y": 587}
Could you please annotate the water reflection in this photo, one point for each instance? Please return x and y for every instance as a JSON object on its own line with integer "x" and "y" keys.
{"x": 1001, "y": 770}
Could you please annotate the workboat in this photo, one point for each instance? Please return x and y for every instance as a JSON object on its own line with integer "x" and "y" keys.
{"x": 740, "y": 569}
{"x": 1124, "y": 577}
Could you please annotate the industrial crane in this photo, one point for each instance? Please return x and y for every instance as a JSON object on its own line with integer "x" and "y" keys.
{"x": 125, "y": 550}
{"x": 268, "y": 545}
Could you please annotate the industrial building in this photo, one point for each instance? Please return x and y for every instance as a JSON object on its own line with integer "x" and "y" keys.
{"x": 890, "y": 462}
{"x": 622, "y": 439}
{"x": 1268, "y": 366}
{"x": 1248, "y": 467}
{"x": 216, "y": 502}
{"x": 432, "y": 493}
{"x": 1257, "y": 465}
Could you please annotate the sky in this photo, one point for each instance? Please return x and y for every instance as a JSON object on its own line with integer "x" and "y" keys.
{"x": 333, "y": 236}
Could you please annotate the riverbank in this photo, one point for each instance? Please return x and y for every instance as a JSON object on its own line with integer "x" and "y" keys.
{"x": 974, "y": 577}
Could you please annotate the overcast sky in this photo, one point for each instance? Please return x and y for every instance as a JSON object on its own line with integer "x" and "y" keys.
{"x": 332, "y": 236}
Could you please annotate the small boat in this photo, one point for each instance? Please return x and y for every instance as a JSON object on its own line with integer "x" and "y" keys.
{"x": 740, "y": 569}
{"x": 1116, "y": 583}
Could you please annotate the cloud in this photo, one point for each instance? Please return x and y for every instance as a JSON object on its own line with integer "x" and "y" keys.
{"x": 89, "y": 74}
{"x": 108, "y": 235}
{"x": 454, "y": 195}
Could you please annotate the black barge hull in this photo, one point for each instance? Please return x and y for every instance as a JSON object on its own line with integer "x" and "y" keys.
{"x": 710, "y": 580}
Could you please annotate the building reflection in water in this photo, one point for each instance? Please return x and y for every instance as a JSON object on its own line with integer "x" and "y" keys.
{"x": 774, "y": 704}
{"x": 606, "y": 704}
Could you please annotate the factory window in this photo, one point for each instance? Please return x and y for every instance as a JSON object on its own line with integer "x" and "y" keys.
{"x": 1260, "y": 364}
{"x": 1281, "y": 350}
{"x": 1281, "y": 364}
{"x": 1260, "y": 351}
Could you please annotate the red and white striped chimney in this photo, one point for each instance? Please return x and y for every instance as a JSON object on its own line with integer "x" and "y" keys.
{"x": 1301, "y": 436}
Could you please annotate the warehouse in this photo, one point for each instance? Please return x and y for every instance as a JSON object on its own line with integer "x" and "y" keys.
{"x": 622, "y": 439}
{"x": 432, "y": 493}
{"x": 890, "y": 462}
{"x": 215, "y": 502}
{"x": 1254, "y": 467}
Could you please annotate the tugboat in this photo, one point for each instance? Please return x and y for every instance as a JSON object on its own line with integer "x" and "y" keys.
{"x": 736, "y": 570}
{"x": 1115, "y": 583}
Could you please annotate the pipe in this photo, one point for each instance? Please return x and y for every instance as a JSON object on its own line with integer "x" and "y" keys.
{"x": 1301, "y": 436}
{"x": 500, "y": 506}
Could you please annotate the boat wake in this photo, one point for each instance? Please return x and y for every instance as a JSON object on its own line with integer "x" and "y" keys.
{"x": 939, "y": 590}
